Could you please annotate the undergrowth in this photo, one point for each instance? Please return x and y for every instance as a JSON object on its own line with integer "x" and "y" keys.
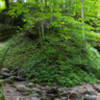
{"x": 54, "y": 61}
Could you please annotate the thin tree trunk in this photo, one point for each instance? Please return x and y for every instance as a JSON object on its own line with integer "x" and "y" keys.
{"x": 83, "y": 28}
{"x": 7, "y": 4}
{"x": 42, "y": 23}
{"x": 39, "y": 31}
{"x": 42, "y": 29}
{"x": 46, "y": 4}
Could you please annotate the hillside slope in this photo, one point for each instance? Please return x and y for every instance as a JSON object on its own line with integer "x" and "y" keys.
{"x": 53, "y": 61}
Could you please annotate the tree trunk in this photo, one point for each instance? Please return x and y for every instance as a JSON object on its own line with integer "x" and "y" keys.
{"x": 7, "y": 4}
{"x": 46, "y": 4}
{"x": 83, "y": 28}
{"x": 42, "y": 30}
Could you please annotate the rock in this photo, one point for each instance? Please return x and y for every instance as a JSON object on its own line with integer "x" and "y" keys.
{"x": 89, "y": 97}
{"x": 10, "y": 80}
{"x": 30, "y": 85}
{"x": 52, "y": 91}
{"x": 5, "y": 70}
{"x": 35, "y": 98}
{"x": 76, "y": 90}
{"x": 90, "y": 92}
{"x": 63, "y": 91}
{"x": 57, "y": 99}
{"x": 96, "y": 87}
{"x": 23, "y": 89}
{"x": 36, "y": 89}
{"x": 18, "y": 78}
{"x": 73, "y": 95}
{"x": 5, "y": 75}
{"x": 38, "y": 86}
{"x": 63, "y": 98}
{"x": 35, "y": 95}
{"x": 44, "y": 98}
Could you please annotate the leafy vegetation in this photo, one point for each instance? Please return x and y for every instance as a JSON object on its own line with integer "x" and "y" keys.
{"x": 55, "y": 43}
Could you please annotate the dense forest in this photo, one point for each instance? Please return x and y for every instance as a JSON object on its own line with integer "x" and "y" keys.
{"x": 50, "y": 43}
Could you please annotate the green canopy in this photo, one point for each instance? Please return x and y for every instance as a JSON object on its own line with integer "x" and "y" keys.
{"x": 2, "y": 4}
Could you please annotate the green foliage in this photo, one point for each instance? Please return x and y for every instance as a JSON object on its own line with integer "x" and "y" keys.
{"x": 59, "y": 56}
{"x": 61, "y": 17}
{"x": 2, "y": 5}
{"x": 1, "y": 94}
{"x": 58, "y": 61}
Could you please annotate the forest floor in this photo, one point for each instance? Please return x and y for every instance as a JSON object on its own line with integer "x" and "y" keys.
{"x": 25, "y": 90}
{"x": 20, "y": 90}
{"x": 10, "y": 92}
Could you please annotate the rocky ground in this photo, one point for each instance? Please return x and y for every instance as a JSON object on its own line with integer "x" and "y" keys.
{"x": 15, "y": 88}
{"x": 29, "y": 91}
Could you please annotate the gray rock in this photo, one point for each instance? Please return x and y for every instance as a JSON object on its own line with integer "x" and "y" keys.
{"x": 89, "y": 97}
{"x": 57, "y": 99}
{"x": 90, "y": 92}
{"x": 63, "y": 91}
{"x": 96, "y": 87}
{"x": 44, "y": 98}
{"x": 35, "y": 98}
{"x": 63, "y": 98}
{"x": 24, "y": 89}
{"x": 35, "y": 95}
{"x": 10, "y": 80}
{"x": 30, "y": 85}
{"x": 5, "y": 75}
{"x": 18, "y": 78}
{"x": 4, "y": 70}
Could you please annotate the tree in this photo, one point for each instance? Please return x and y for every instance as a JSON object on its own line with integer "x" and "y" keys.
{"x": 7, "y": 4}
{"x": 83, "y": 28}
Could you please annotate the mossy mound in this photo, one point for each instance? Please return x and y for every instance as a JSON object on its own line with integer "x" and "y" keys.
{"x": 54, "y": 61}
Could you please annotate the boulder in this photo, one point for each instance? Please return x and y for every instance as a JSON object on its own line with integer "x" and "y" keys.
{"x": 30, "y": 85}
{"x": 23, "y": 89}
{"x": 4, "y": 70}
{"x": 96, "y": 87}
{"x": 35, "y": 98}
{"x": 89, "y": 97}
